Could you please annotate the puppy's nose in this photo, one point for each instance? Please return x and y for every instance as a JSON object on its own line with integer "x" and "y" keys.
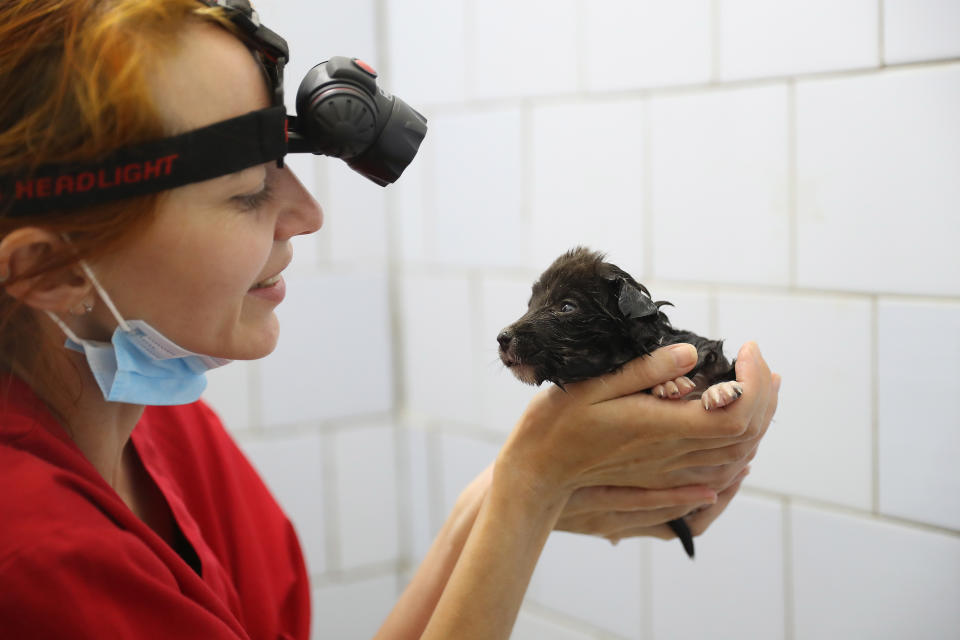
{"x": 504, "y": 339}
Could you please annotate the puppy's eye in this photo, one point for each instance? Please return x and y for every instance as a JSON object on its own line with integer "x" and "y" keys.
{"x": 567, "y": 307}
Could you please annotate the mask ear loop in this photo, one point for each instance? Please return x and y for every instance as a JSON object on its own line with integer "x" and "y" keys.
{"x": 63, "y": 327}
{"x": 103, "y": 296}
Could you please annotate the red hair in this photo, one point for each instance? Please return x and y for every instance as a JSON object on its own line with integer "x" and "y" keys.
{"x": 74, "y": 85}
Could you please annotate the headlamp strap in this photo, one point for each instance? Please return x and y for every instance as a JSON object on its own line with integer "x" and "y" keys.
{"x": 209, "y": 152}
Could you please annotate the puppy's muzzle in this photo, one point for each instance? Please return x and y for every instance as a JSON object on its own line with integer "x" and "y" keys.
{"x": 511, "y": 358}
{"x": 508, "y": 347}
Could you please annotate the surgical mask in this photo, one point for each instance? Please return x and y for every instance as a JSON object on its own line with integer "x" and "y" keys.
{"x": 140, "y": 365}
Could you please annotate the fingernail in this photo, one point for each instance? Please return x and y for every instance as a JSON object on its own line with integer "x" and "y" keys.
{"x": 776, "y": 383}
{"x": 684, "y": 355}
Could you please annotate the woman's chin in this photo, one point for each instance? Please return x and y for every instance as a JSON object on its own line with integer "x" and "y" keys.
{"x": 254, "y": 342}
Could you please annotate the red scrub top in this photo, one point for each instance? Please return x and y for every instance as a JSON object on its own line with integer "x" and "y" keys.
{"x": 76, "y": 563}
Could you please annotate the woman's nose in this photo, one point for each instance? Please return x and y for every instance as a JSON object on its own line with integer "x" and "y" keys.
{"x": 300, "y": 213}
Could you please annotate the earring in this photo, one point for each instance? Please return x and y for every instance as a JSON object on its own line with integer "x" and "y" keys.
{"x": 81, "y": 308}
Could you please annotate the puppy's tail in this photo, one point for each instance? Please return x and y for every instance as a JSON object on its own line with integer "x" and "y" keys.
{"x": 680, "y": 528}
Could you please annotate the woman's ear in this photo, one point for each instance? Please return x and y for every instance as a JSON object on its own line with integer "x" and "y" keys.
{"x": 20, "y": 252}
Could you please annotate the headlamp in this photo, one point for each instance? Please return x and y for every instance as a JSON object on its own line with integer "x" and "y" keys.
{"x": 341, "y": 112}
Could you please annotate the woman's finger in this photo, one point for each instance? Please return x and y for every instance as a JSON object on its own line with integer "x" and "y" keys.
{"x": 699, "y": 521}
{"x": 614, "y": 523}
{"x": 662, "y": 531}
{"x": 645, "y": 372}
{"x": 730, "y": 454}
{"x": 604, "y": 499}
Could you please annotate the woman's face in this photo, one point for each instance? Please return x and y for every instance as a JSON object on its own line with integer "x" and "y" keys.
{"x": 193, "y": 273}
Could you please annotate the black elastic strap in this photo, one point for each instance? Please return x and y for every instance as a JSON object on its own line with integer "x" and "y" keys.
{"x": 209, "y": 152}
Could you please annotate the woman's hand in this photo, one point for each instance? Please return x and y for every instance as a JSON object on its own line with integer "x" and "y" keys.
{"x": 605, "y": 433}
{"x": 626, "y": 512}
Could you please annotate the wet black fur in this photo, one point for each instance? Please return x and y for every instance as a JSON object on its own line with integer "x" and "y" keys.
{"x": 587, "y": 317}
{"x": 612, "y": 321}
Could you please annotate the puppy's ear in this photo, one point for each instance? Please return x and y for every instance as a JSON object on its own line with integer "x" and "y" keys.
{"x": 632, "y": 301}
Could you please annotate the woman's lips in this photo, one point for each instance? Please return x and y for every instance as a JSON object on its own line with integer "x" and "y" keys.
{"x": 275, "y": 290}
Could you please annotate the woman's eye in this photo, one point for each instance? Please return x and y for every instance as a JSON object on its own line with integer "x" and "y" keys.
{"x": 568, "y": 307}
{"x": 253, "y": 201}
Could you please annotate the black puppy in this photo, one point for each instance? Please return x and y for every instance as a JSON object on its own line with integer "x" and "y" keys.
{"x": 588, "y": 317}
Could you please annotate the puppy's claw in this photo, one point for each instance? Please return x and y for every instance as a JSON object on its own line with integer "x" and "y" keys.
{"x": 674, "y": 389}
{"x": 721, "y": 394}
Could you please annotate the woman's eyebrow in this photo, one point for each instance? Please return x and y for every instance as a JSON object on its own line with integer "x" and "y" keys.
{"x": 242, "y": 174}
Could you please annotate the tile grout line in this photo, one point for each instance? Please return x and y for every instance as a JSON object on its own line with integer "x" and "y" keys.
{"x": 646, "y": 581}
{"x": 715, "y": 57}
{"x": 331, "y": 511}
{"x": 789, "y": 593}
{"x": 875, "y": 402}
{"x": 701, "y": 88}
{"x": 581, "y": 46}
{"x": 647, "y": 222}
{"x": 881, "y": 39}
{"x": 401, "y": 451}
{"x": 853, "y": 512}
{"x": 793, "y": 220}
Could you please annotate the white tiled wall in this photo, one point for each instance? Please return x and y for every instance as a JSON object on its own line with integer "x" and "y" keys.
{"x": 719, "y": 165}
{"x": 787, "y": 172}
{"x": 764, "y": 39}
{"x": 855, "y": 577}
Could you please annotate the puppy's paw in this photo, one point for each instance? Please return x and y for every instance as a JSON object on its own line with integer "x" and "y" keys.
{"x": 675, "y": 388}
{"x": 721, "y": 394}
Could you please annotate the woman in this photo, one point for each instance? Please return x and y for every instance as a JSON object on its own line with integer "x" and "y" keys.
{"x": 129, "y": 510}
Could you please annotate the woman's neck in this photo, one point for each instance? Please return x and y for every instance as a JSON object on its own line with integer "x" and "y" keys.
{"x": 100, "y": 429}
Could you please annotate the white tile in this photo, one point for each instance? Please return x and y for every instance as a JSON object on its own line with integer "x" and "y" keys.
{"x": 919, "y": 436}
{"x": 746, "y": 542}
{"x": 417, "y": 514}
{"x": 308, "y": 169}
{"x": 333, "y": 358}
{"x": 760, "y": 38}
{"x": 644, "y": 43}
{"x": 720, "y": 186}
{"x": 822, "y": 348}
{"x": 291, "y": 467}
{"x": 352, "y": 610}
{"x": 228, "y": 393}
{"x": 591, "y": 580}
{"x": 587, "y": 181}
{"x": 477, "y": 185}
{"x": 462, "y": 460}
{"x": 920, "y": 30}
{"x": 438, "y": 366}
{"x": 407, "y": 202}
{"x": 504, "y": 397}
{"x": 691, "y": 308}
{"x": 427, "y": 50}
{"x": 354, "y": 217}
{"x": 315, "y": 31}
{"x": 859, "y": 578}
{"x": 877, "y": 188}
{"x": 532, "y": 626}
{"x": 367, "y": 496}
{"x": 522, "y": 48}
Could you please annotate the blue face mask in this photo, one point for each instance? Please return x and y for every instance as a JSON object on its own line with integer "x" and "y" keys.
{"x": 140, "y": 365}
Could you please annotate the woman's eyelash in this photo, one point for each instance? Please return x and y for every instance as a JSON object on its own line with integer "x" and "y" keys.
{"x": 254, "y": 201}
